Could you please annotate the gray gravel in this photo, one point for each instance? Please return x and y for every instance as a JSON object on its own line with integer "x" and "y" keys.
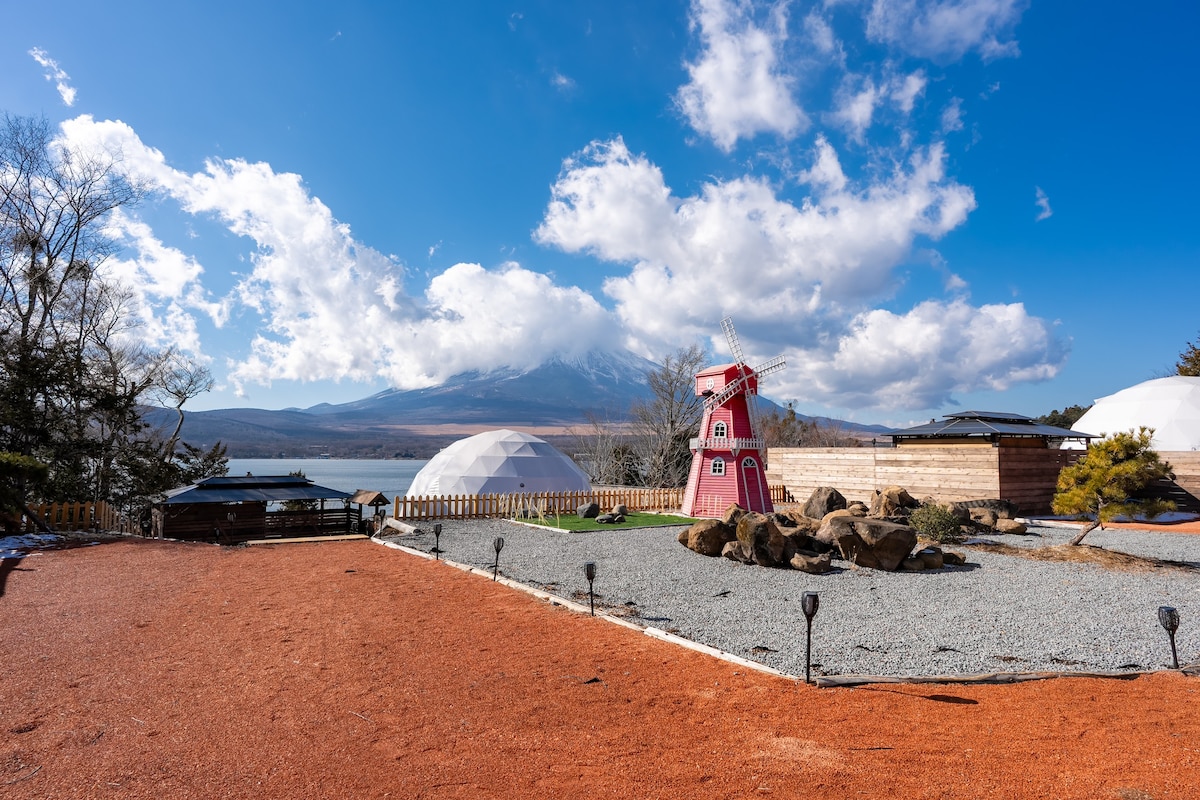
{"x": 1000, "y": 613}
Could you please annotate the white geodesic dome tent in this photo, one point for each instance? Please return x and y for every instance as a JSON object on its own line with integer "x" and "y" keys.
{"x": 498, "y": 462}
{"x": 1169, "y": 405}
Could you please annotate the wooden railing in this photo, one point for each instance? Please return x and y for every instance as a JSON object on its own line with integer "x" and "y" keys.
{"x": 493, "y": 506}
{"x": 80, "y": 517}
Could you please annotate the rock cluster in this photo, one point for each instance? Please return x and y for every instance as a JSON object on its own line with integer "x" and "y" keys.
{"x": 591, "y": 510}
{"x": 828, "y": 527}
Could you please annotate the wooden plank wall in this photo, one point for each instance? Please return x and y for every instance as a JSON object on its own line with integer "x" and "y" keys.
{"x": 1029, "y": 477}
{"x": 1025, "y": 476}
{"x": 1186, "y": 464}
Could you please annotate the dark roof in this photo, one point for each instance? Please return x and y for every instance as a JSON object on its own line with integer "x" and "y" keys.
{"x": 252, "y": 488}
{"x": 368, "y": 497}
{"x": 987, "y": 423}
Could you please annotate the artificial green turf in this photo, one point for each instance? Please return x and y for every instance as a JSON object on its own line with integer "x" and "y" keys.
{"x": 571, "y": 522}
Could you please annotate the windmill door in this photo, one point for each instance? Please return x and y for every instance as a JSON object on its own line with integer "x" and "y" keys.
{"x": 758, "y": 496}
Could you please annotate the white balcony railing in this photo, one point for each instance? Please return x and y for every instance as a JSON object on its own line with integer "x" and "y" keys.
{"x": 726, "y": 443}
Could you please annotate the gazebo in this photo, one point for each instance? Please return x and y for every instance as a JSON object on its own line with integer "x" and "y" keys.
{"x": 233, "y": 510}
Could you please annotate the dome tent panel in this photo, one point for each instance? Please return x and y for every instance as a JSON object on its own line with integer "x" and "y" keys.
{"x": 1171, "y": 406}
{"x": 498, "y": 462}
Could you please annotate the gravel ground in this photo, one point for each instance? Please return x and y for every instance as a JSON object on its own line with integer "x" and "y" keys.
{"x": 999, "y": 613}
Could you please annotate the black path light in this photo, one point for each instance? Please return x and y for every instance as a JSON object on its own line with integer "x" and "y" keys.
{"x": 499, "y": 545}
{"x": 1168, "y": 617}
{"x": 809, "y": 604}
{"x": 589, "y": 570}
{"x": 437, "y": 541}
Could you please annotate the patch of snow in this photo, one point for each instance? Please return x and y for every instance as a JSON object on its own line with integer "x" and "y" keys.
{"x": 18, "y": 546}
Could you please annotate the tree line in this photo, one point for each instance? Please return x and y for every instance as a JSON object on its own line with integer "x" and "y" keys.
{"x": 76, "y": 380}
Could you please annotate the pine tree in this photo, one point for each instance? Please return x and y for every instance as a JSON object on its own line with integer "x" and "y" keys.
{"x": 1189, "y": 360}
{"x": 1104, "y": 481}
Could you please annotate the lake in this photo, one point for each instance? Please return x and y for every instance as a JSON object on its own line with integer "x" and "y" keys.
{"x": 346, "y": 474}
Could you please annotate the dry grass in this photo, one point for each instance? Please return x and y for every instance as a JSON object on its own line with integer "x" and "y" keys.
{"x": 1086, "y": 554}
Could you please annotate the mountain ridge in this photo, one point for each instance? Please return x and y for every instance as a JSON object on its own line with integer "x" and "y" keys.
{"x": 559, "y": 395}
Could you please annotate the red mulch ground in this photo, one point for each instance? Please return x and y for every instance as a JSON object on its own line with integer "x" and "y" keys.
{"x": 143, "y": 669}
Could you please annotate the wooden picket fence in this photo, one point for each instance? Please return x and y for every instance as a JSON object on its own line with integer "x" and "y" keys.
{"x": 494, "y": 506}
{"x": 80, "y": 517}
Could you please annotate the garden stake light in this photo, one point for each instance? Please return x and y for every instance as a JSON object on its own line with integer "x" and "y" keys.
{"x": 437, "y": 541}
{"x": 499, "y": 545}
{"x": 589, "y": 570}
{"x": 1168, "y": 617}
{"x": 809, "y": 604}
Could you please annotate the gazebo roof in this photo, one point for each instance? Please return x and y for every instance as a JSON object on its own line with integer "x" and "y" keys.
{"x": 254, "y": 489}
{"x": 986, "y": 424}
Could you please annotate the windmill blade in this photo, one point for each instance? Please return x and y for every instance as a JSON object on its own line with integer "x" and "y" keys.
{"x": 773, "y": 365}
{"x": 731, "y": 388}
{"x": 735, "y": 346}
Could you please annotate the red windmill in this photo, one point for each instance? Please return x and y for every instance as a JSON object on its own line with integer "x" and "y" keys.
{"x": 727, "y": 458}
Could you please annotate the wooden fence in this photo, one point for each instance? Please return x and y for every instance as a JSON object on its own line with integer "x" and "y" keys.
{"x": 493, "y": 506}
{"x": 80, "y": 517}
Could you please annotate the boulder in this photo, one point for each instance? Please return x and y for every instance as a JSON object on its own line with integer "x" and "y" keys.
{"x": 733, "y": 514}
{"x": 804, "y": 541}
{"x": 823, "y": 500}
{"x": 814, "y": 564}
{"x": 606, "y": 519}
{"x": 891, "y": 502}
{"x": 1005, "y": 509}
{"x": 842, "y": 512}
{"x": 983, "y": 517}
{"x": 620, "y": 510}
{"x": 858, "y": 509}
{"x": 762, "y": 540}
{"x": 802, "y": 522}
{"x": 682, "y": 536}
{"x": 932, "y": 557}
{"x": 873, "y": 543}
{"x": 953, "y": 558}
{"x": 1011, "y": 526}
{"x": 708, "y": 536}
{"x": 782, "y": 520}
{"x": 588, "y": 510}
{"x": 734, "y": 552}
{"x": 912, "y": 564}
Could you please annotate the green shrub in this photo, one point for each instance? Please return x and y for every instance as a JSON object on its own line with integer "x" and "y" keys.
{"x": 936, "y": 522}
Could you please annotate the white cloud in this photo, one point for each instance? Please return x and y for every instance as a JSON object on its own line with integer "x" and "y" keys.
{"x": 561, "y": 82}
{"x": 922, "y": 358}
{"x": 947, "y": 29}
{"x": 737, "y": 87}
{"x": 801, "y": 278}
{"x": 904, "y": 92}
{"x": 55, "y": 73}
{"x": 952, "y": 116}
{"x": 323, "y": 305}
{"x": 855, "y": 108}
{"x": 1043, "y": 204}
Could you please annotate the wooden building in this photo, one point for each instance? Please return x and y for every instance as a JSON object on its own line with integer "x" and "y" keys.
{"x": 970, "y": 455}
{"x": 233, "y": 510}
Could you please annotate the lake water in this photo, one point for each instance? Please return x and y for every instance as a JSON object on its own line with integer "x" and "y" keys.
{"x": 346, "y": 474}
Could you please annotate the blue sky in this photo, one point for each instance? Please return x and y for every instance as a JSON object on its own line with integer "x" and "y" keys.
{"x": 926, "y": 205}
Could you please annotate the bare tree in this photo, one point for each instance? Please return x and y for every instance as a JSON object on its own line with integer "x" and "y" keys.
{"x": 665, "y": 423}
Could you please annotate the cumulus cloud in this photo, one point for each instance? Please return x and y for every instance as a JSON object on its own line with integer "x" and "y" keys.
{"x": 945, "y": 30}
{"x": 920, "y": 359}
{"x": 738, "y": 87}
{"x": 1043, "y": 204}
{"x": 813, "y": 269}
{"x": 55, "y": 73}
{"x": 328, "y": 307}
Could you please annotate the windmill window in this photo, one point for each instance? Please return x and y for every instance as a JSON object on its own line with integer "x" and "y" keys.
{"x": 718, "y": 466}
{"x": 720, "y": 430}
{"x": 749, "y": 463}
